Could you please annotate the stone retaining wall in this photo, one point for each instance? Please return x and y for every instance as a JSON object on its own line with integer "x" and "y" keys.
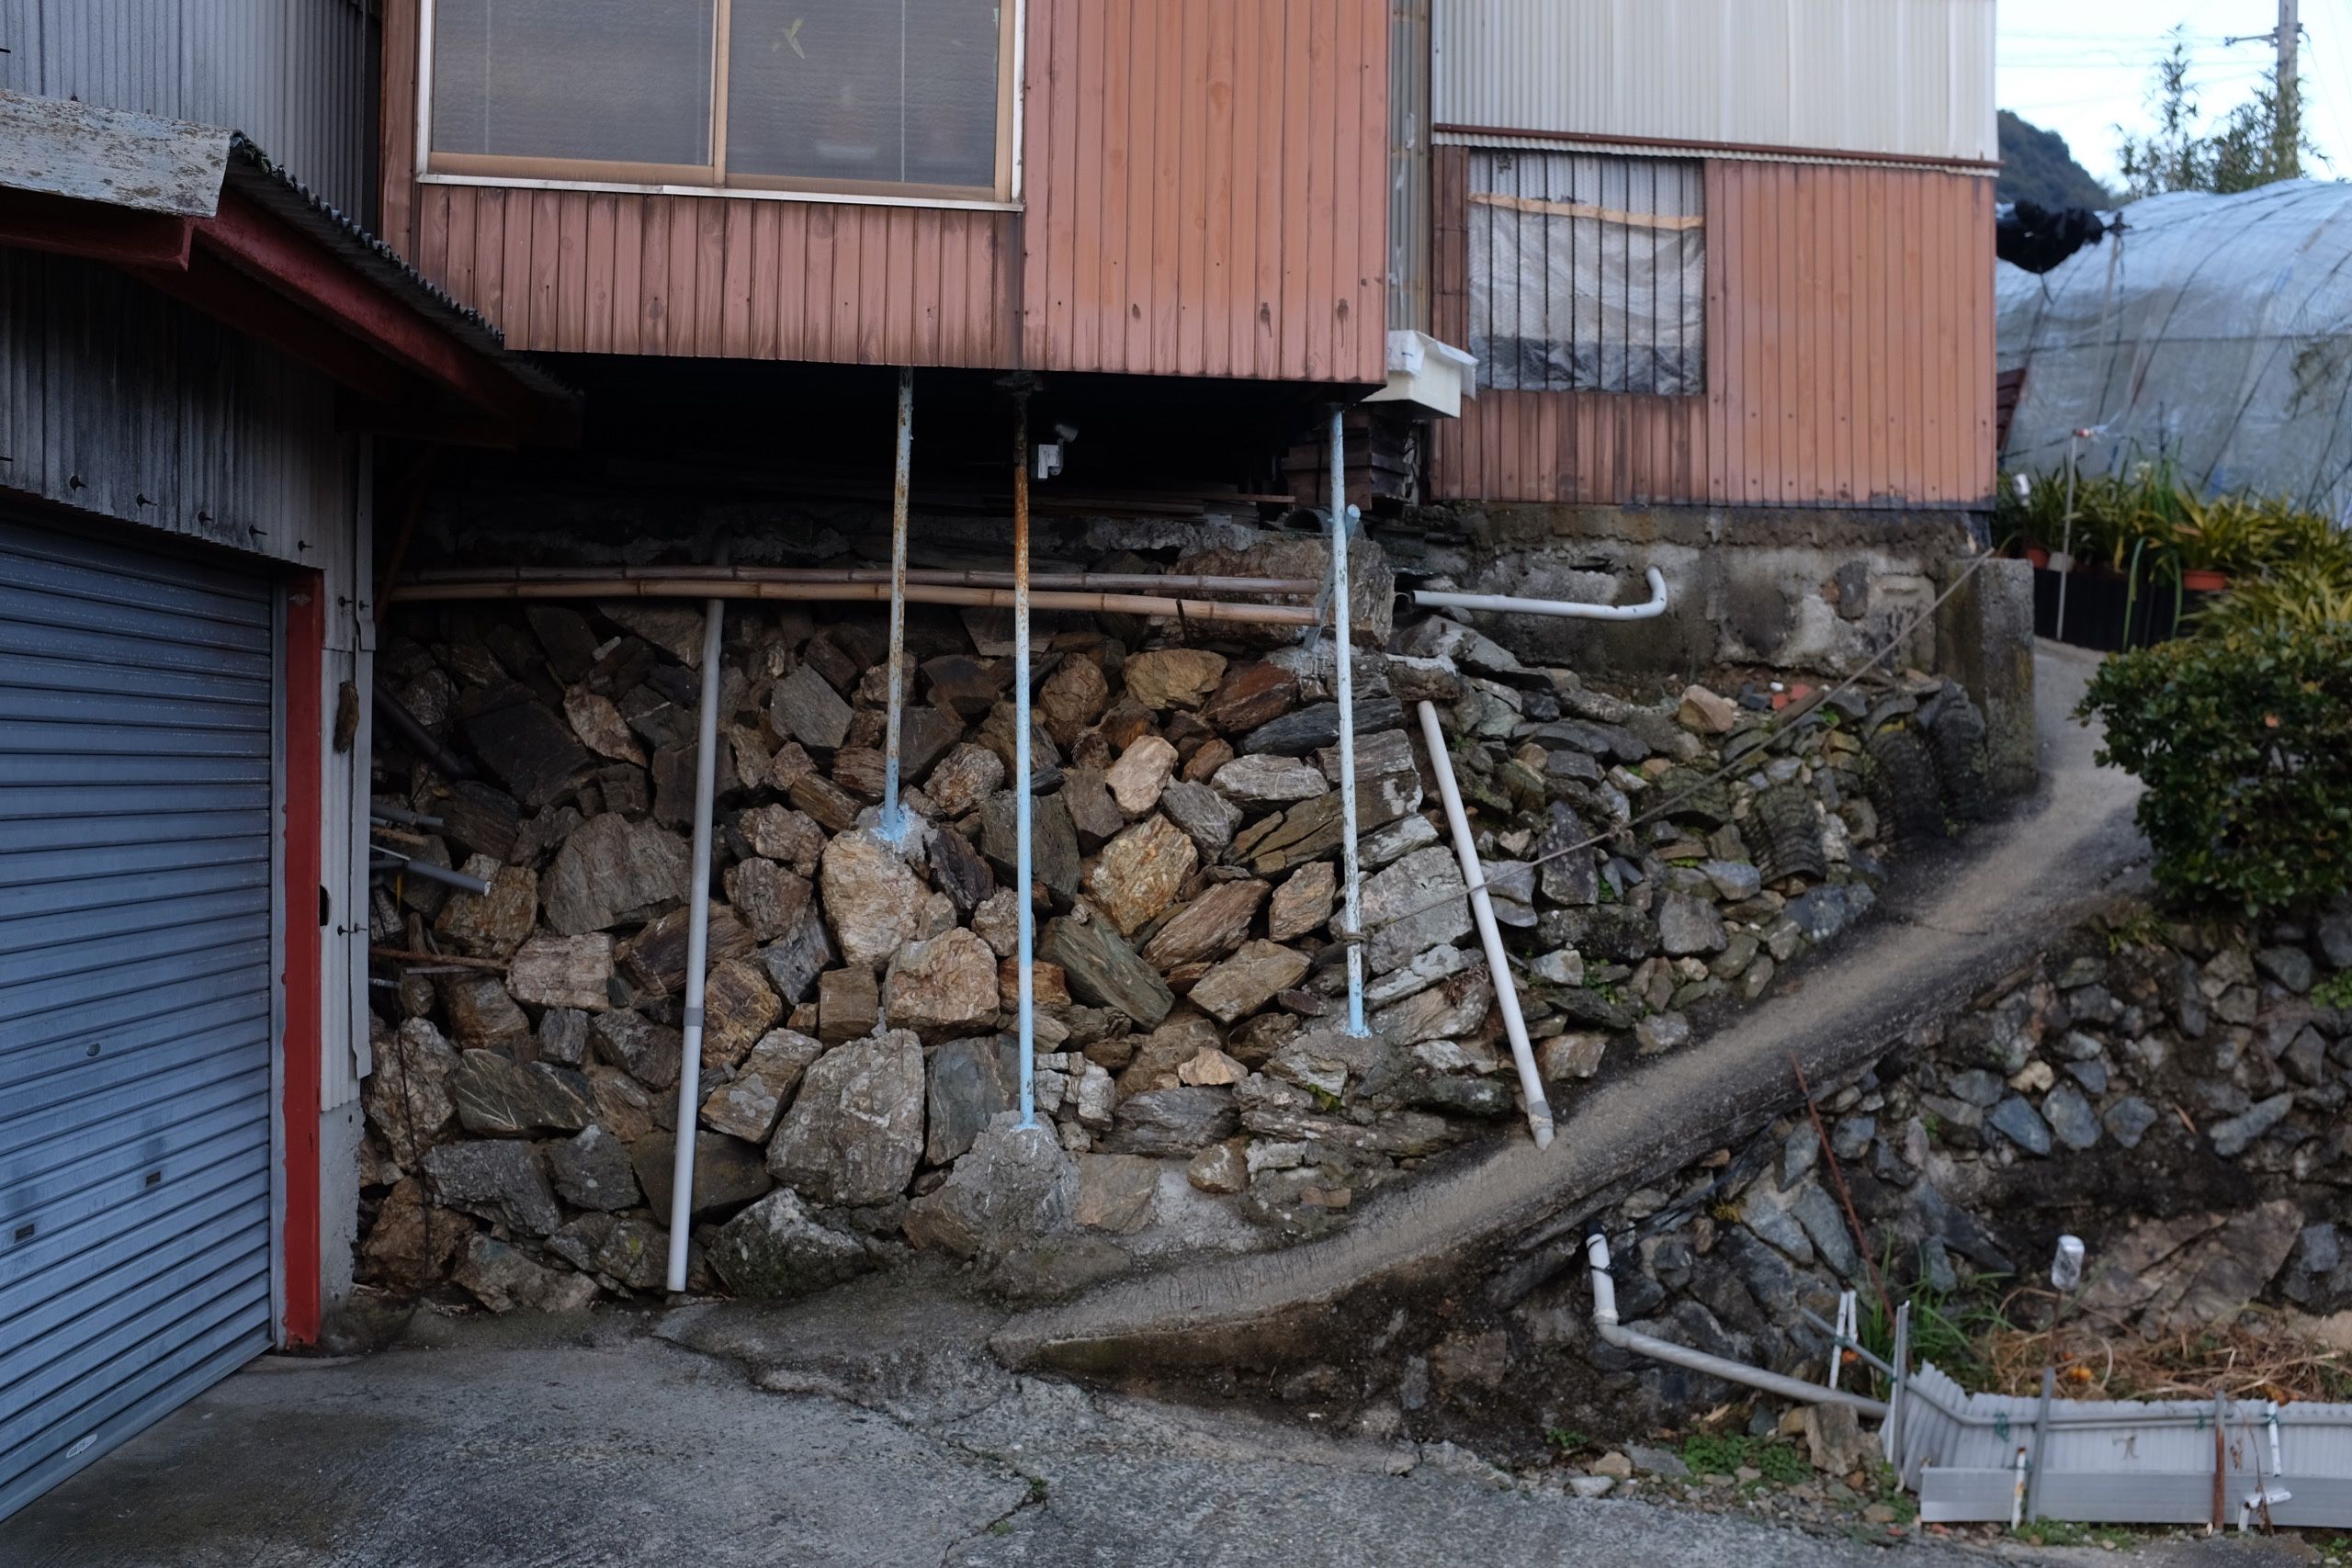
{"x": 2173, "y": 1095}
{"x": 1194, "y": 1088}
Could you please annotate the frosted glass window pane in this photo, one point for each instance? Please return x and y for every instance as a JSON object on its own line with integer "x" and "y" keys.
{"x": 620, "y": 81}
{"x": 894, "y": 91}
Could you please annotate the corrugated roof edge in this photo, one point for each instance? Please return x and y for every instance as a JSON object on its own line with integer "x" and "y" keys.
{"x": 252, "y": 172}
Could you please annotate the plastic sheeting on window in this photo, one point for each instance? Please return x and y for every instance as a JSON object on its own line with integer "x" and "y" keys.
{"x": 1587, "y": 273}
{"x": 2216, "y": 331}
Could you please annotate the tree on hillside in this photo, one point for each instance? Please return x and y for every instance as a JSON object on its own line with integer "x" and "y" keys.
{"x": 2038, "y": 167}
{"x": 2259, "y": 141}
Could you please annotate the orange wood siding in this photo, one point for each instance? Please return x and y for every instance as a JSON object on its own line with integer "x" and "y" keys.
{"x": 1204, "y": 194}
{"x": 1849, "y": 355}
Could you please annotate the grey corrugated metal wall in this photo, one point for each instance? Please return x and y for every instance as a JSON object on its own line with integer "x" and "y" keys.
{"x": 117, "y": 400}
{"x": 1408, "y": 165}
{"x": 137, "y": 713}
{"x": 296, "y": 75}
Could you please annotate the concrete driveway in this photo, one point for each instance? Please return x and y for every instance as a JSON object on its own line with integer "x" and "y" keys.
{"x": 865, "y": 1430}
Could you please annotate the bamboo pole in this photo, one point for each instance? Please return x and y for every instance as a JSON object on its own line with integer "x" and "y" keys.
{"x": 714, "y": 587}
{"x": 1101, "y": 582}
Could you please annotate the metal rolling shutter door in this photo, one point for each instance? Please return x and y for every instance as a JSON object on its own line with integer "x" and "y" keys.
{"x": 136, "y": 707}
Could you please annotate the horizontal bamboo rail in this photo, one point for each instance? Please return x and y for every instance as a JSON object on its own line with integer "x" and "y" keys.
{"x": 707, "y": 586}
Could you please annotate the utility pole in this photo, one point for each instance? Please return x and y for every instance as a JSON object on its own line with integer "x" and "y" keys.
{"x": 2287, "y": 108}
{"x": 2288, "y": 131}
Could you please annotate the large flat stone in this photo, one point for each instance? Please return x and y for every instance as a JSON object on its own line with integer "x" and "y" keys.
{"x": 609, "y": 870}
{"x": 1139, "y": 871}
{"x": 498, "y": 1097}
{"x": 1209, "y": 927}
{"x": 855, "y": 1131}
{"x": 1103, "y": 971}
{"x": 776, "y": 1250}
{"x": 564, "y": 972}
{"x": 805, "y": 707}
{"x": 747, "y": 1106}
{"x": 1248, "y": 980}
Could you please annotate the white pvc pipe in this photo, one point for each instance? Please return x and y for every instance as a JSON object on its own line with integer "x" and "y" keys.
{"x": 682, "y": 1165}
{"x": 1344, "y": 656}
{"x": 1564, "y": 609}
{"x": 1490, "y": 936}
{"x": 1604, "y": 1322}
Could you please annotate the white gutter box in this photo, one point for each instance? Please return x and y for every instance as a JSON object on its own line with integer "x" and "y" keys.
{"x": 1432, "y": 375}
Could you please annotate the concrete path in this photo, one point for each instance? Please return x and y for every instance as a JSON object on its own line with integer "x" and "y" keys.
{"x": 1956, "y": 919}
{"x": 891, "y": 1439}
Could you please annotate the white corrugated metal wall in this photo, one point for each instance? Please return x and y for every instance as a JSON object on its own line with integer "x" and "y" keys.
{"x": 294, "y": 75}
{"x": 1906, "y": 78}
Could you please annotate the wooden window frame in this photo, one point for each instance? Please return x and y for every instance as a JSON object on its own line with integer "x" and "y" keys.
{"x": 435, "y": 167}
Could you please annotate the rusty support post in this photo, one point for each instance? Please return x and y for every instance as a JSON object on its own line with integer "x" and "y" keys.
{"x": 1023, "y": 879}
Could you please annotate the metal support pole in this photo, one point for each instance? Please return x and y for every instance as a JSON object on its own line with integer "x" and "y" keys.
{"x": 1023, "y": 880}
{"x": 1343, "y": 654}
{"x": 682, "y": 1165}
{"x": 2034, "y": 1466}
{"x": 1897, "y": 1407}
{"x": 1482, "y": 912}
{"x": 893, "y": 825}
{"x": 2066, "y": 545}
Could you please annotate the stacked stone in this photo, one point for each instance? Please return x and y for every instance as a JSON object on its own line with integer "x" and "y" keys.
{"x": 2173, "y": 1095}
{"x": 1193, "y": 1087}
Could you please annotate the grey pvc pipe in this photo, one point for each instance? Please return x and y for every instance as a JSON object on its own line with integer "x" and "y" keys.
{"x": 1561, "y": 609}
{"x": 1490, "y": 936}
{"x": 1343, "y": 654}
{"x": 411, "y": 866}
{"x": 682, "y": 1165}
{"x": 1604, "y": 1321}
{"x": 894, "y": 817}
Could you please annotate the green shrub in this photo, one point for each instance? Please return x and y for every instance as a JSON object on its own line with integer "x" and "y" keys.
{"x": 2244, "y": 743}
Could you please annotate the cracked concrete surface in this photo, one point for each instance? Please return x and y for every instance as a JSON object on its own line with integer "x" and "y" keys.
{"x": 869, "y": 1426}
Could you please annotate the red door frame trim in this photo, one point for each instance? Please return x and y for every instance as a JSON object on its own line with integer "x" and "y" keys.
{"x": 306, "y": 624}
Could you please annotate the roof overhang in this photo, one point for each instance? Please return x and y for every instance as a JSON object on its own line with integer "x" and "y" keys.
{"x": 201, "y": 214}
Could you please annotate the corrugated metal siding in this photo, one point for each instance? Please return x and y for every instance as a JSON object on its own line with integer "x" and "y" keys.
{"x": 291, "y": 75}
{"x": 1902, "y": 77}
{"x": 1849, "y": 356}
{"x": 1408, "y": 165}
{"x": 136, "y": 713}
{"x": 117, "y": 400}
{"x": 1203, "y": 194}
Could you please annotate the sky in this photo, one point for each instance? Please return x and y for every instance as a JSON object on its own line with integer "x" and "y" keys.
{"x": 2085, "y": 66}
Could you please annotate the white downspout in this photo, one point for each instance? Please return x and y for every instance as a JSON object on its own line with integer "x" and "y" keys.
{"x": 1490, "y": 936}
{"x": 1562, "y": 609}
{"x": 682, "y": 1165}
{"x": 1604, "y": 1321}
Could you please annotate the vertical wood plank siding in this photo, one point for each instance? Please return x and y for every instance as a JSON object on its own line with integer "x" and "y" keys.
{"x": 1203, "y": 194}
{"x": 1850, "y": 342}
